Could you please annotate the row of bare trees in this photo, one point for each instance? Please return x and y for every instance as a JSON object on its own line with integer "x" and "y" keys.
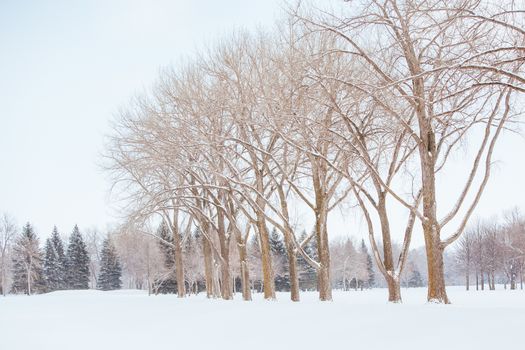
{"x": 148, "y": 261}
{"x": 493, "y": 252}
{"x": 365, "y": 103}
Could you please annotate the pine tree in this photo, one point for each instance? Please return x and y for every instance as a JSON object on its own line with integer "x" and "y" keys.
{"x": 27, "y": 263}
{"x": 369, "y": 265}
{"x": 54, "y": 263}
{"x": 281, "y": 278}
{"x": 110, "y": 274}
{"x": 168, "y": 283}
{"x": 308, "y": 274}
{"x": 254, "y": 258}
{"x": 415, "y": 279}
{"x": 77, "y": 262}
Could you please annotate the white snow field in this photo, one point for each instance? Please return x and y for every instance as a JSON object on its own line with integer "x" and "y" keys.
{"x": 94, "y": 320}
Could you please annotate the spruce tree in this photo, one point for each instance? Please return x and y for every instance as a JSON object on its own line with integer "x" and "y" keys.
{"x": 109, "y": 277}
{"x": 282, "y": 278}
{"x": 415, "y": 279}
{"x": 254, "y": 258}
{"x": 369, "y": 265}
{"x": 77, "y": 262}
{"x": 168, "y": 283}
{"x": 308, "y": 274}
{"x": 54, "y": 263}
{"x": 27, "y": 263}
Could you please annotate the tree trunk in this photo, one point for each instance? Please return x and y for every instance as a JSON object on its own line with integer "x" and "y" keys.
{"x": 394, "y": 289}
{"x": 323, "y": 276}
{"x": 521, "y": 276}
{"x": 431, "y": 229}
{"x": 245, "y": 281}
{"x": 29, "y": 270}
{"x": 323, "y": 251}
{"x": 216, "y": 280}
{"x": 266, "y": 259}
{"x": 290, "y": 248}
{"x": 394, "y": 285}
{"x": 436, "y": 274}
{"x": 245, "y": 273}
{"x": 512, "y": 278}
{"x": 292, "y": 269}
{"x": 4, "y": 276}
{"x": 226, "y": 282}
{"x": 208, "y": 266}
{"x": 179, "y": 264}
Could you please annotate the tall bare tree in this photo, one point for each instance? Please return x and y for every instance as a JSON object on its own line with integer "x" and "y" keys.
{"x": 424, "y": 57}
{"x": 7, "y": 234}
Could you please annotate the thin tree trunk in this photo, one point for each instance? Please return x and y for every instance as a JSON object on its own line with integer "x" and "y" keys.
{"x": 245, "y": 275}
{"x": 323, "y": 275}
{"x": 216, "y": 280}
{"x": 179, "y": 264}
{"x": 4, "y": 276}
{"x": 208, "y": 266}
{"x": 521, "y": 276}
{"x": 292, "y": 269}
{"x": 245, "y": 272}
{"x": 29, "y": 270}
{"x": 512, "y": 278}
{"x": 266, "y": 259}
{"x": 321, "y": 232}
{"x": 290, "y": 248}
{"x": 226, "y": 283}
{"x": 394, "y": 285}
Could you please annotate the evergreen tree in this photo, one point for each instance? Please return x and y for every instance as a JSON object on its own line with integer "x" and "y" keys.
{"x": 307, "y": 274}
{"x": 415, "y": 279}
{"x": 110, "y": 274}
{"x": 369, "y": 265}
{"x": 282, "y": 278}
{"x": 54, "y": 263}
{"x": 168, "y": 283}
{"x": 27, "y": 263}
{"x": 77, "y": 262}
{"x": 254, "y": 258}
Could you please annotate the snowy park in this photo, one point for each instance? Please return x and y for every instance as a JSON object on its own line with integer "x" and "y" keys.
{"x": 130, "y": 319}
{"x": 269, "y": 174}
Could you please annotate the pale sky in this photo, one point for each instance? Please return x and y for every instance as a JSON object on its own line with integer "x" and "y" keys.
{"x": 67, "y": 66}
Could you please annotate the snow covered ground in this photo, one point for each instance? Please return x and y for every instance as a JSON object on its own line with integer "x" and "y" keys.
{"x": 76, "y": 320}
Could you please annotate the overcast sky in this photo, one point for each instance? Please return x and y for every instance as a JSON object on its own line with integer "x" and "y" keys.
{"x": 66, "y": 67}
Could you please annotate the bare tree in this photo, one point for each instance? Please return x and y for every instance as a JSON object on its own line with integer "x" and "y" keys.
{"x": 8, "y": 232}
{"x": 464, "y": 255}
{"x": 93, "y": 239}
{"x": 139, "y": 256}
{"x": 430, "y": 70}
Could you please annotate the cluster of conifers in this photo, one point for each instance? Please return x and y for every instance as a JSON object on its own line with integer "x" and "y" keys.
{"x": 54, "y": 268}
